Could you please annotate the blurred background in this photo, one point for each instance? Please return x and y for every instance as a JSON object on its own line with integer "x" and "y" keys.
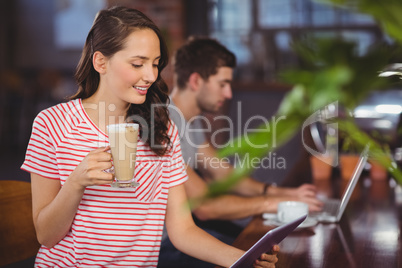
{"x": 41, "y": 42}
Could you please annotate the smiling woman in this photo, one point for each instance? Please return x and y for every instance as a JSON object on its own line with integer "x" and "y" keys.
{"x": 79, "y": 219}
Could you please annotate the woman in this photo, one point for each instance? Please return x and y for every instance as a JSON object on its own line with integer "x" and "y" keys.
{"x": 80, "y": 220}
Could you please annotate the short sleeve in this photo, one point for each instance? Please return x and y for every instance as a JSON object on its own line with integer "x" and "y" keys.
{"x": 178, "y": 174}
{"x": 40, "y": 156}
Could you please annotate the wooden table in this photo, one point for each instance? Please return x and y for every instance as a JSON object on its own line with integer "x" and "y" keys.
{"x": 368, "y": 234}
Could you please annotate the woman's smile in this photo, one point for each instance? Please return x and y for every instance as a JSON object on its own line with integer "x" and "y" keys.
{"x": 142, "y": 89}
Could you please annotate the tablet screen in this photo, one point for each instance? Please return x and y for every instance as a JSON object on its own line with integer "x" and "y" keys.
{"x": 271, "y": 238}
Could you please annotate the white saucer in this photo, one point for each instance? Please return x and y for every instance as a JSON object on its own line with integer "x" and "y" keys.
{"x": 271, "y": 219}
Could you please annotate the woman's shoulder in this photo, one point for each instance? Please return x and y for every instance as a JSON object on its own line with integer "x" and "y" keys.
{"x": 61, "y": 110}
{"x": 58, "y": 116}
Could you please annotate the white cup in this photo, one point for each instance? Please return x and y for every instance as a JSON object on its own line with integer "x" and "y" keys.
{"x": 291, "y": 210}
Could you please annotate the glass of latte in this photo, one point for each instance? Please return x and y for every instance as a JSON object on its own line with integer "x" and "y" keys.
{"x": 123, "y": 145}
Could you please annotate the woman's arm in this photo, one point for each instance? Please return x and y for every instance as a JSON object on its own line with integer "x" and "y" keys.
{"x": 54, "y": 207}
{"x": 192, "y": 240}
{"x": 183, "y": 233}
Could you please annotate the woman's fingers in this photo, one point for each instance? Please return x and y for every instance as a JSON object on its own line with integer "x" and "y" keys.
{"x": 275, "y": 249}
{"x": 266, "y": 260}
{"x": 92, "y": 168}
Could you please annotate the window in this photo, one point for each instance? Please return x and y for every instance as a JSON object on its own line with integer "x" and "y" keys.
{"x": 260, "y": 32}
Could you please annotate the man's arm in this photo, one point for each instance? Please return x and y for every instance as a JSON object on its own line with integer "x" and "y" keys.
{"x": 229, "y": 206}
{"x": 208, "y": 156}
{"x": 250, "y": 187}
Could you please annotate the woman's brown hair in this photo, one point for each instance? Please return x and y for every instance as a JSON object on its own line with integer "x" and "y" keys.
{"x": 108, "y": 35}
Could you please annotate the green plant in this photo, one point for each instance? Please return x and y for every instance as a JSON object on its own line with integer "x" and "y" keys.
{"x": 332, "y": 71}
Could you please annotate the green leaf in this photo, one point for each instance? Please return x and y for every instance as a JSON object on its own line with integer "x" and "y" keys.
{"x": 376, "y": 152}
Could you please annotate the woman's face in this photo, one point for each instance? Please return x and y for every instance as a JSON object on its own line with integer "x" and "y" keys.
{"x": 131, "y": 71}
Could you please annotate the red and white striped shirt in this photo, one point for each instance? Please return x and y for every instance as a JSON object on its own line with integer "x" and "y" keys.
{"x": 113, "y": 227}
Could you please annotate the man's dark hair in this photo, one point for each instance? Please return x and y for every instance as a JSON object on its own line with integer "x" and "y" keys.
{"x": 203, "y": 56}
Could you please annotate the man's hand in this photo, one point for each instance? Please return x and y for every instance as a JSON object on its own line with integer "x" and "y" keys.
{"x": 306, "y": 193}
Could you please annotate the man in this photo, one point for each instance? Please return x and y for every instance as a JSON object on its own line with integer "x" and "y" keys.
{"x": 203, "y": 75}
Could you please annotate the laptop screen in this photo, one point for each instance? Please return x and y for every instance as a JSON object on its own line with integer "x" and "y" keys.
{"x": 352, "y": 182}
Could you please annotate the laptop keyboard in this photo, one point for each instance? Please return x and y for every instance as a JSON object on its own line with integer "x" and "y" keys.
{"x": 331, "y": 206}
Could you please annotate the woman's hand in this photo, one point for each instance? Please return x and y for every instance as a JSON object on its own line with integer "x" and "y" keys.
{"x": 267, "y": 260}
{"x": 91, "y": 170}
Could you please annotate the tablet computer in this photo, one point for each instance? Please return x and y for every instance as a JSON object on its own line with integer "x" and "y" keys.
{"x": 265, "y": 244}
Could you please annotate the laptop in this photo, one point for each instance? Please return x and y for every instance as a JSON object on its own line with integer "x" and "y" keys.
{"x": 333, "y": 208}
{"x": 265, "y": 244}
